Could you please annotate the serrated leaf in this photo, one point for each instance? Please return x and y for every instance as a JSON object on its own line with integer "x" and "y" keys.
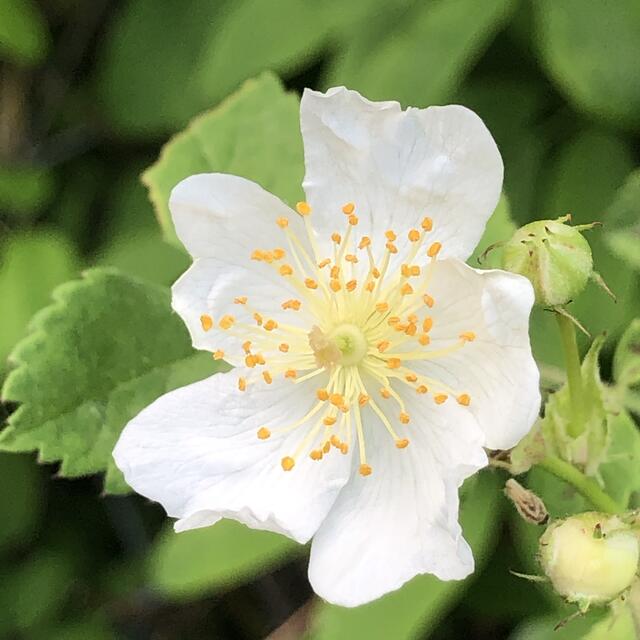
{"x": 415, "y": 609}
{"x": 23, "y": 32}
{"x": 591, "y": 49}
{"x": 203, "y": 561}
{"x": 106, "y": 348}
{"x": 255, "y": 134}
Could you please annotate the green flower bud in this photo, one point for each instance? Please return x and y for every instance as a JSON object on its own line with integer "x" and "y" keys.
{"x": 590, "y": 558}
{"x": 554, "y": 256}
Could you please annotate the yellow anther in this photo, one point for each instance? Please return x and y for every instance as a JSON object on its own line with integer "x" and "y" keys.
{"x": 292, "y": 304}
{"x": 303, "y": 208}
{"x": 364, "y": 242}
{"x": 370, "y": 286}
{"x": 291, "y": 373}
{"x": 250, "y": 361}
{"x": 391, "y": 248}
{"x": 344, "y": 408}
{"x": 405, "y": 270}
{"x": 365, "y": 470}
{"x": 282, "y": 222}
{"x": 258, "y": 318}
{"x": 464, "y": 399}
{"x": 353, "y": 220}
{"x": 322, "y": 394}
{"x": 257, "y": 254}
{"x": 267, "y": 377}
{"x": 284, "y": 347}
{"x": 467, "y": 336}
{"x": 428, "y": 300}
{"x": 424, "y": 339}
{"x": 335, "y": 272}
{"x": 402, "y": 444}
{"x": 226, "y": 322}
{"x": 414, "y": 235}
{"x": 270, "y": 325}
{"x": 206, "y": 321}
{"x": 401, "y": 326}
{"x": 440, "y": 398}
{"x": 344, "y": 448}
{"x": 382, "y": 307}
{"x": 240, "y": 300}
{"x": 259, "y": 358}
{"x": 390, "y": 235}
{"x": 375, "y": 272}
{"x": 422, "y": 389}
{"x": 352, "y": 258}
{"x": 336, "y": 399}
{"x": 246, "y": 346}
{"x": 406, "y": 289}
{"x": 335, "y": 285}
{"x": 326, "y": 447}
{"x": 348, "y": 208}
{"x": 285, "y": 270}
{"x": 278, "y": 254}
{"x": 434, "y": 249}
{"x": 335, "y": 441}
{"x": 385, "y": 393}
{"x": 412, "y": 318}
{"x": 218, "y": 354}
{"x": 427, "y": 324}
{"x": 263, "y": 433}
{"x": 394, "y": 363}
{"x": 316, "y": 454}
{"x": 310, "y": 283}
{"x": 393, "y": 320}
{"x": 411, "y": 329}
{"x": 415, "y": 270}
{"x": 383, "y": 345}
{"x": 268, "y": 256}
{"x": 323, "y": 263}
{"x": 242, "y": 384}
{"x": 351, "y": 285}
{"x": 336, "y": 237}
{"x": 411, "y": 377}
{"x": 329, "y": 420}
{"x": 427, "y": 224}
{"x": 363, "y": 398}
{"x": 288, "y": 463}
{"x": 404, "y": 418}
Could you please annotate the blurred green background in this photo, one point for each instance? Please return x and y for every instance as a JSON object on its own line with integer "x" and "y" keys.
{"x": 90, "y": 90}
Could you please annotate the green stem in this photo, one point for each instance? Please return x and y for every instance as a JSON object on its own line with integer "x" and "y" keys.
{"x": 574, "y": 373}
{"x": 586, "y": 486}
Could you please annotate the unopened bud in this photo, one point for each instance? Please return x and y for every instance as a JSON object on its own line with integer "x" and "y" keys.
{"x": 590, "y": 558}
{"x": 554, "y": 256}
{"x": 528, "y": 504}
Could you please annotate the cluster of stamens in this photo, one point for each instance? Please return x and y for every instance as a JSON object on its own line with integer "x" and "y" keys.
{"x": 367, "y": 329}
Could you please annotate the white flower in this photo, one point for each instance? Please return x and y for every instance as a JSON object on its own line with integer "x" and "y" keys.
{"x": 371, "y": 364}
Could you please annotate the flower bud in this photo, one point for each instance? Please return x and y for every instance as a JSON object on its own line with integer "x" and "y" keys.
{"x": 590, "y": 558}
{"x": 554, "y": 256}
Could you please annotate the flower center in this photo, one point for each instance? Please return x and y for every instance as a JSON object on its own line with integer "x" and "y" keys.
{"x": 369, "y": 339}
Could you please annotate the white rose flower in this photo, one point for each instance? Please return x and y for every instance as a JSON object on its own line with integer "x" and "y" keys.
{"x": 372, "y": 365}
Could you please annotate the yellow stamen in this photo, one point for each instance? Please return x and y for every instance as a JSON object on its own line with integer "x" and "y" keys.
{"x": 440, "y": 398}
{"x": 464, "y": 399}
{"x": 288, "y": 463}
{"x": 434, "y": 249}
{"x": 218, "y": 354}
{"x": 303, "y": 208}
{"x": 242, "y": 384}
{"x": 402, "y": 444}
{"x": 206, "y": 321}
{"x": 283, "y": 223}
{"x": 467, "y": 336}
{"x": 365, "y": 470}
{"x": 226, "y": 322}
{"x": 263, "y": 433}
{"x": 427, "y": 224}
{"x": 348, "y": 208}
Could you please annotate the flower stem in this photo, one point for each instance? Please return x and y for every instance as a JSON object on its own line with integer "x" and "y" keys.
{"x": 585, "y": 485}
{"x": 574, "y": 373}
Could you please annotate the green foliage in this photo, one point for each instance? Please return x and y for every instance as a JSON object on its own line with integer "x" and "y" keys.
{"x": 79, "y": 382}
{"x": 254, "y": 134}
{"x": 591, "y": 48}
{"x": 23, "y": 32}
{"x": 24, "y": 190}
{"x": 214, "y": 559}
{"x": 419, "y": 605}
{"x": 499, "y": 228}
{"x": 623, "y": 235}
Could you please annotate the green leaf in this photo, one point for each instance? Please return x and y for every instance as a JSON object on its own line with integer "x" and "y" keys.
{"x": 591, "y": 49}
{"x": 417, "y": 607}
{"x": 542, "y": 628}
{"x": 106, "y": 348}
{"x": 500, "y": 227}
{"x": 622, "y": 235}
{"x": 212, "y": 559}
{"x": 25, "y": 190}
{"x": 255, "y": 134}
{"x": 31, "y": 265}
{"x": 23, "y": 33}
{"x": 418, "y": 55}
{"x": 626, "y": 360}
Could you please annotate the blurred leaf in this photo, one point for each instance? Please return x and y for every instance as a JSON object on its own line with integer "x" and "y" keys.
{"x": 499, "y": 227}
{"x": 418, "y": 55}
{"x": 79, "y": 381}
{"x": 618, "y": 625}
{"x": 92, "y": 627}
{"x": 31, "y": 265}
{"x": 23, "y": 32}
{"x": 560, "y": 498}
{"x": 213, "y": 559}
{"x": 626, "y": 360}
{"x": 25, "y": 190}
{"x": 592, "y": 48}
{"x": 254, "y": 134}
{"x": 543, "y": 628}
{"x": 415, "y": 609}
{"x": 623, "y": 234}
{"x": 625, "y": 244}
{"x": 20, "y": 499}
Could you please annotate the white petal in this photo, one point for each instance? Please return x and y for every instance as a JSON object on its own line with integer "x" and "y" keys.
{"x": 402, "y": 520}
{"x": 399, "y": 166}
{"x": 195, "y": 451}
{"x": 226, "y": 217}
{"x": 497, "y": 369}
